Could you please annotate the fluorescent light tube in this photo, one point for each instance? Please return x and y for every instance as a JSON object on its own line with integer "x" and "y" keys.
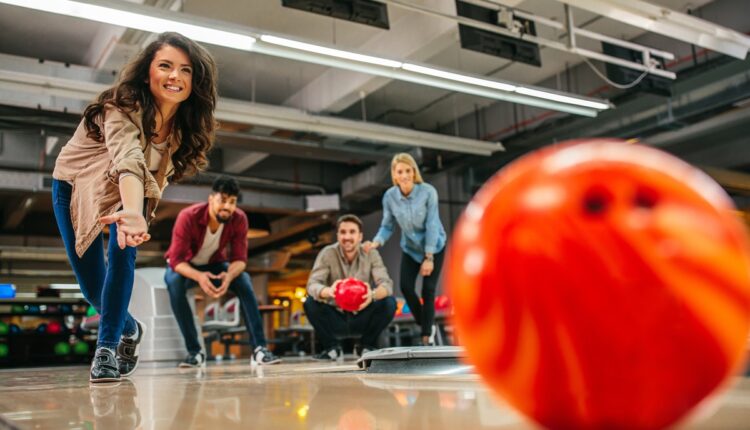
{"x": 458, "y": 77}
{"x": 561, "y": 98}
{"x": 139, "y": 21}
{"x": 309, "y": 47}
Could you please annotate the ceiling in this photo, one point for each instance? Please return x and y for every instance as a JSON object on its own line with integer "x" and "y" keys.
{"x": 282, "y": 165}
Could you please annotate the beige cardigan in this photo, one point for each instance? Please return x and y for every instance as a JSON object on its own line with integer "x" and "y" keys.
{"x": 94, "y": 169}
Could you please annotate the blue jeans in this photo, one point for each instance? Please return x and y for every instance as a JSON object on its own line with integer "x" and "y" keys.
{"x": 106, "y": 286}
{"x": 241, "y": 286}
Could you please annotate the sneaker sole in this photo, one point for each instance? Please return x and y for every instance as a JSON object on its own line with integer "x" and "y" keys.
{"x": 276, "y": 361}
{"x": 104, "y": 380}
{"x": 184, "y": 365}
{"x": 191, "y": 366}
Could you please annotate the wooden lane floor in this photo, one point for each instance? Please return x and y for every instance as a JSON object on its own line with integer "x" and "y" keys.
{"x": 292, "y": 395}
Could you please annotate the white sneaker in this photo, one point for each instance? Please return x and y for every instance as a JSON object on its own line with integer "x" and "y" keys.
{"x": 263, "y": 356}
{"x": 433, "y": 335}
{"x": 194, "y": 360}
{"x": 331, "y": 354}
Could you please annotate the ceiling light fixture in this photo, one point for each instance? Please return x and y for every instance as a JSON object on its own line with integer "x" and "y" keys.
{"x": 289, "y": 43}
{"x": 139, "y": 21}
{"x": 151, "y": 19}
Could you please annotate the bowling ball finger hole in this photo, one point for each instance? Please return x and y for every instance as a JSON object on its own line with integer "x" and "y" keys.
{"x": 645, "y": 198}
{"x": 596, "y": 201}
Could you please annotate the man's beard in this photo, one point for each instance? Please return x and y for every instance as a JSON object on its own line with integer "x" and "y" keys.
{"x": 223, "y": 220}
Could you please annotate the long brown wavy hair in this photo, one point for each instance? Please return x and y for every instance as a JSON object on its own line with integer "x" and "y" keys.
{"x": 194, "y": 121}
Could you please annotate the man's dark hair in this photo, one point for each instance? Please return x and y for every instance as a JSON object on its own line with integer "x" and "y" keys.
{"x": 349, "y": 218}
{"x": 226, "y": 185}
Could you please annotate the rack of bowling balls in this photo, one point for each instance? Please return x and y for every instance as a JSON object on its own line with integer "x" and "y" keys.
{"x": 37, "y": 333}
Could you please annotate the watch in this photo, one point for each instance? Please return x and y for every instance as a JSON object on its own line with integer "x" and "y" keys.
{"x": 429, "y": 257}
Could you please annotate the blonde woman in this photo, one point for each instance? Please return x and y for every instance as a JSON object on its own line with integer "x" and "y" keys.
{"x": 413, "y": 204}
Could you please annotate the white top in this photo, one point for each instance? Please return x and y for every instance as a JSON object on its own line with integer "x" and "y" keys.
{"x": 157, "y": 149}
{"x": 210, "y": 245}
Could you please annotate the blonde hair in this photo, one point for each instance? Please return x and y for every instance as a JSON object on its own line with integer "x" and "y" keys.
{"x": 407, "y": 159}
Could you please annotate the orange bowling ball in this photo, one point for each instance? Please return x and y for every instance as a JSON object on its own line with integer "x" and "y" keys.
{"x": 598, "y": 284}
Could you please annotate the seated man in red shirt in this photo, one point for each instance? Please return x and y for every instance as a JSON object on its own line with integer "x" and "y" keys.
{"x": 197, "y": 256}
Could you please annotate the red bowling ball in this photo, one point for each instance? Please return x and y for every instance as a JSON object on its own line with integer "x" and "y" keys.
{"x": 54, "y": 327}
{"x": 598, "y": 284}
{"x": 350, "y": 294}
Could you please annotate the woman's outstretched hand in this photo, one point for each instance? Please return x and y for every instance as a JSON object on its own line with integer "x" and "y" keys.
{"x": 132, "y": 229}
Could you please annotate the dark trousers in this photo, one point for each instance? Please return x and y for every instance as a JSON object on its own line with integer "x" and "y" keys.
{"x": 329, "y": 322}
{"x": 106, "y": 286}
{"x": 424, "y": 313}
{"x": 241, "y": 286}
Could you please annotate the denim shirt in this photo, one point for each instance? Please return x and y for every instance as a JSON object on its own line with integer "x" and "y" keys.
{"x": 417, "y": 215}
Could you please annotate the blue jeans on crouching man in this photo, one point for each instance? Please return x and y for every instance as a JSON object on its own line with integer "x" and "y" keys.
{"x": 241, "y": 286}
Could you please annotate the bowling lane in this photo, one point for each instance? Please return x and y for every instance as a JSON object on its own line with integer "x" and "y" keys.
{"x": 293, "y": 395}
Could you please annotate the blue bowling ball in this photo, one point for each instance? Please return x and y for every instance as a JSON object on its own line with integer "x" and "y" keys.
{"x": 406, "y": 309}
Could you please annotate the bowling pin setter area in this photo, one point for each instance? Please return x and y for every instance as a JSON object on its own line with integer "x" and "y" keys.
{"x": 375, "y": 214}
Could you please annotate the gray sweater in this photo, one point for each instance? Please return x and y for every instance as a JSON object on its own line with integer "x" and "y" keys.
{"x": 331, "y": 265}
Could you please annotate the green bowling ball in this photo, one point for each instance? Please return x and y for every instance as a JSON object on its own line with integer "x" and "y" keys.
{"x": 4, "y": 350}
{"x": 62, "y": 348}
{"x": 4, "y": 328}
{"x": 80, "y": 348}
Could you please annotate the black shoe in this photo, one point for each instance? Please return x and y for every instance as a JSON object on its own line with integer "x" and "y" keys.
{"x": 263, "y": 356}
{"x": 330, "y": 354}
{"x": 362, "y": 350}
{"x": 127, "y": 351}
{"x": 104, "y": 367}
{"x": 194, "y": 360}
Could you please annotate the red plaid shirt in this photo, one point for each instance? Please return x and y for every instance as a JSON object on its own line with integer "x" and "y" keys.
{"x": 190, "y": 230}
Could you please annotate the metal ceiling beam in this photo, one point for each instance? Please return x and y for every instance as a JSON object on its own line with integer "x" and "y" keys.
{"x": 415, "y": 37}
{"x": 182, "y": 193}
{"x": 266, "y": 115}
{"x": 289, "y": 226}
{"x": 303, "y": 148}
{"x": 238, "y": 161}
{"x": 554, "y": 44}
{"x": 643, "y": 115}
{"x": 670, "y": 23}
